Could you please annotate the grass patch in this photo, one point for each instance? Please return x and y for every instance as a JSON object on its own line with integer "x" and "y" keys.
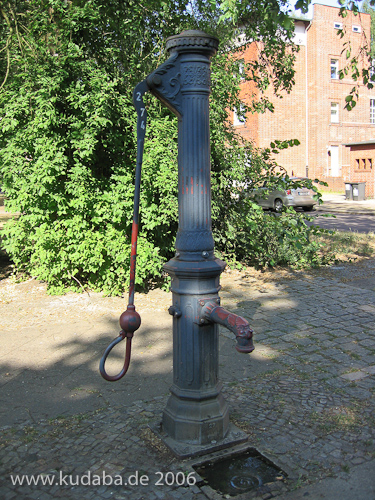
{"x": 30, "y": 434}
{"x": 337, "y": 419}
{"x": 343, "y": 246}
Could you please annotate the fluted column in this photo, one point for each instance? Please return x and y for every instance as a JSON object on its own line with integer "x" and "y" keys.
{"x": 196, "y": 415}
{"x": 195, "y": 232}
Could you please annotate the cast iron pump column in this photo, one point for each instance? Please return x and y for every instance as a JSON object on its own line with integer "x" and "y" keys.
{"x": 196, "y": 415}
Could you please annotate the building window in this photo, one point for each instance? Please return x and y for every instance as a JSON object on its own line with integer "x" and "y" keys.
{"x": 337, "y": 26}
{"x": 356, "y": 28}
{"x": 334, "y": 112}
{"x": 238, "y": 118}
{"x": 334, "y": 69}
{"x": 372, "y": 111}
{"x": 363, "y": 163}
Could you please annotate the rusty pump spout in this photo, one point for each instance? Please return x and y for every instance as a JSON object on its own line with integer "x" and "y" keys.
{"x": 238, "y": 325}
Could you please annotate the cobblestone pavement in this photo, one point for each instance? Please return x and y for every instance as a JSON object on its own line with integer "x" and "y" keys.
{"x": 305, "y": 397}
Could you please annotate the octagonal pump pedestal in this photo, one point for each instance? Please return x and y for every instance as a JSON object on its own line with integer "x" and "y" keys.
{"x": 196, "y": 418}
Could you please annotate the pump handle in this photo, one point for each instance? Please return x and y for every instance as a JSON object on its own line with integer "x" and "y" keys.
{"x": 138, "y": 94}
{"x": 130, "y": 319}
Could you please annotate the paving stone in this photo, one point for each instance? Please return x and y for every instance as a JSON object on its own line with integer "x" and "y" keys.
{"x": 369, "y": 370}
{"x": 354, "y": 375}
{"x": 357, "y": 461}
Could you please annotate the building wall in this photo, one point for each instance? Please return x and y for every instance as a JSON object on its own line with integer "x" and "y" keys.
{"x": 305, "y": 113}
{"x": 326, "y": 137}
{"x": 288, "y": 121}
{"x": 248, "y": 92}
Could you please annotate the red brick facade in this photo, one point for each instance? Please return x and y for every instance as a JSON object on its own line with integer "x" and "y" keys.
{"x": 313, "y": 112}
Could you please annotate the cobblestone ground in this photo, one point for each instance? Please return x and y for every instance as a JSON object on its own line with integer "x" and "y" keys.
{"x": 312, "y": 413}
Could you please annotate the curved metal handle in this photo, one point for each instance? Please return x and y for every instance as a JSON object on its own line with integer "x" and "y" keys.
{"x": 120, "y": 338}
{"x": 130, "y": 321}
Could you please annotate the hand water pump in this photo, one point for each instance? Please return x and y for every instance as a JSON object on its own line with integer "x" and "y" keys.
{"x": 196, "y": 416}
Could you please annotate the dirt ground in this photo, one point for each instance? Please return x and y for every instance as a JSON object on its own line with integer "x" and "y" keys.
{"x": 28, "y": 303}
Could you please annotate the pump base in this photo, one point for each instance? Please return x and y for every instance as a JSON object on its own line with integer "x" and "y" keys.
{"x": 185, "y": 450}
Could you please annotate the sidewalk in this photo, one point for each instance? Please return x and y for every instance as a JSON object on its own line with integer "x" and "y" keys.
{"x": 305, "y": 396}
{"x": 336, "y": 203}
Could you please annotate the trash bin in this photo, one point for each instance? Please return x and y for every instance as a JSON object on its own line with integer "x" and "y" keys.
{"x": 359, "y": 191}
{"x": 348, "y": 191}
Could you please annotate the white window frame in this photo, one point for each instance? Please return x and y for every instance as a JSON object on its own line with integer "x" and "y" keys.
{"x": 334, "y": 65}
{"x": 337, "y": 26}
{"x": 241, "y": 68}
{"x": 372, "y": 111}
{"x": 372, "y": 68}
{"x": 335, "y": 108}
{"x": 236, "y": 119}
{"x": 356, "y": 28}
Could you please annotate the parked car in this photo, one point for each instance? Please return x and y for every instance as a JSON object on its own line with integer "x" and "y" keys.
{"x": 277, "y": 199}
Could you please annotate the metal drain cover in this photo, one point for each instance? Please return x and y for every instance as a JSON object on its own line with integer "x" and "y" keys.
{"x": 239, "y": 473}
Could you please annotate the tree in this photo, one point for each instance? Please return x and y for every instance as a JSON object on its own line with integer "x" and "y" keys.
{"x": 368, "y": 9}
{"x": 67, "y": 143}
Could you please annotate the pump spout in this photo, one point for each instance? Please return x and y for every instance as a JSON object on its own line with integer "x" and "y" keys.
{"x": 236, "y": 324}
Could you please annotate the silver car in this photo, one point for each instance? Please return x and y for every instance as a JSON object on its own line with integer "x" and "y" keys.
{"x": 276, "y": 200}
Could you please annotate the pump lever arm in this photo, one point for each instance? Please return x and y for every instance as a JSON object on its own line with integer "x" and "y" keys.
{"x": 130, "y": 320}
{"x": 138, "y": 94}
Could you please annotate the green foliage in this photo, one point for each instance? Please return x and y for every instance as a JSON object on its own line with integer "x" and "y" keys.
{"x": 359, "y": 63}
{"x": 264, "y": 239}
{"x": 67, "y": 138}
{"x": 68, "y": 151}
{"x": 368, "y": 9}
{"x": 252, "y": 236}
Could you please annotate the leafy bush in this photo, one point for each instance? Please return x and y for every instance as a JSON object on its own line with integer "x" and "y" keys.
{"x": 266, "y": 240}
{"x": 76, "y": 199}
{"x": 67, "y": 143}
{"x": 256, "y": 237}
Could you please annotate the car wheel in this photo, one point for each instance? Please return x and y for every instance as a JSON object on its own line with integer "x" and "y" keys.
{"x": 309, "y": 208}
{"x": 278, "y": 205}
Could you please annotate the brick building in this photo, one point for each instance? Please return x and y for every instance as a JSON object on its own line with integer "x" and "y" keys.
{"x": 313, "y": 112}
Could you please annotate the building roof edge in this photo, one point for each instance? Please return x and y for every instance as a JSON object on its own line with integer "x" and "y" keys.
{"x": 361, "y": 143}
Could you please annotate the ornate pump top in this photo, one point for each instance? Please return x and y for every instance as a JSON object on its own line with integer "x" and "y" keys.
{"x": 188, "y": 40}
